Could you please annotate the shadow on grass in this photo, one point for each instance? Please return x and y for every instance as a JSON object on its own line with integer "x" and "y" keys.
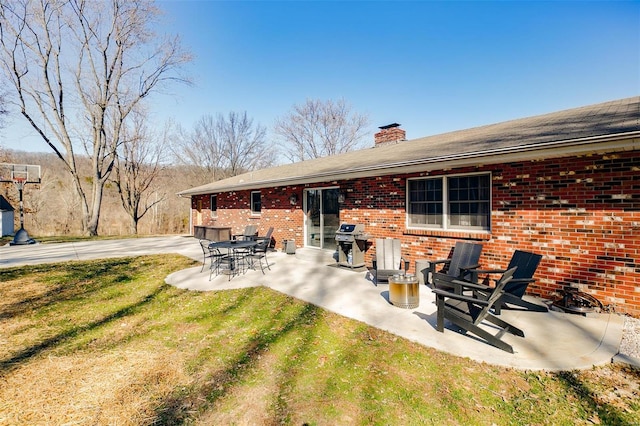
{"x": 182, "y": 406}
{"x": 32, "y": 351}
{"x": 63, "y": 291}
{"x": 296, "y": 357}
{"x": 607, "y": 413}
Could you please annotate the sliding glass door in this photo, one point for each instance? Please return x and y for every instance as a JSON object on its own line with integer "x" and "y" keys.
{"x": 322, "y": 217}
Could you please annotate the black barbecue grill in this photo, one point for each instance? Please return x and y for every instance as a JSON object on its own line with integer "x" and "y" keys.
{"x": 352, "y": 243}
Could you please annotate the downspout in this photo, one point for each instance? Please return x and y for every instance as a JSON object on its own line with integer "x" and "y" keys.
{"x": 191, "y": 230}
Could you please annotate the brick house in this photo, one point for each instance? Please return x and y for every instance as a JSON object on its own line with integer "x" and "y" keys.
{"x": 565, "y": 184}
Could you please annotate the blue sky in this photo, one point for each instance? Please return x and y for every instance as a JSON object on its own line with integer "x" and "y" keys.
{"x": 431, "y": 66}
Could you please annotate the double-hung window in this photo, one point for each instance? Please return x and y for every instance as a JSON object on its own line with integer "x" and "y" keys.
{"x": 450, "y": 202}
{"x": 256, "y": 202}
{"x": 213, "y": 205}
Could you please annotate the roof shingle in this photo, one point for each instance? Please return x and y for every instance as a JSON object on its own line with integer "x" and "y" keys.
{"x": 573, "y": 127}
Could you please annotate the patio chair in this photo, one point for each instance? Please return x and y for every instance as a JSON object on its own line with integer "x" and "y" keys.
{"x": 468, "y": 312}
{"x": 259, "y": 252}
{"x": 249, "y": 233}
{"x": 465, "y": 257}
{"x": 527, "y": 263}
{"x": 266, "y": 237}
{"x": 217, "y": 258}
{"x": 240, "y": 255}
{"x": 209, "y": 253}
{"x": 227, "y": 263}
{"x": 389, "y": 260}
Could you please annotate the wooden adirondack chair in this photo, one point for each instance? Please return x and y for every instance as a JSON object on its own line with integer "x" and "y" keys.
{"x": 468, "y": 312}
{"x": 249, "y": 233}
{"x": 389, "y": 260}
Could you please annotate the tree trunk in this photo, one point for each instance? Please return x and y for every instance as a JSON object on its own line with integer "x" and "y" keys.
{"x": 99, "y": 60}
{"x": 94, "y": 219}
{"x": 133, "y": 226}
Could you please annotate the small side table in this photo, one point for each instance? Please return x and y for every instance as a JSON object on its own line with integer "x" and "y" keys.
{"x": 422, "y": 271}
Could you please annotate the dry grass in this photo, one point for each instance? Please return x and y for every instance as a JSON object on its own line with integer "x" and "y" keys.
{"x": 106, "y": 342}
{"x": 91, "y": 388}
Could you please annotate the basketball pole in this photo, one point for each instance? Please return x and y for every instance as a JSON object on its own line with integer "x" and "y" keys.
{"x": 20, "y": 175}
{"x": 20, "y": 185}
{"x": 22, "y": 236}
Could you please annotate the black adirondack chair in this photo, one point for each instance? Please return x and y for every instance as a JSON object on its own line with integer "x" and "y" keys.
{"x": 464, "y": 258}
{"x": 527, "y": 263}
{"x": 468, "y": 312}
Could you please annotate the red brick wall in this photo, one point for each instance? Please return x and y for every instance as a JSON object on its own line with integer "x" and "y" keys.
{"x": 234, "y": 209}
{"x": 582, "y": 214}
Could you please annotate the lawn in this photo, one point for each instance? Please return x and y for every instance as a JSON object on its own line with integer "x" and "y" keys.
{"x": 107, "y": 342}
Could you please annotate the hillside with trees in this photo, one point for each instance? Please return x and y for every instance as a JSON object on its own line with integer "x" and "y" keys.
{"x": 150, "y": 170}
{"x": 53, "y": 208}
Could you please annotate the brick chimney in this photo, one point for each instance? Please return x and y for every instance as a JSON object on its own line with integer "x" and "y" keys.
{"x": 391, "y": 133}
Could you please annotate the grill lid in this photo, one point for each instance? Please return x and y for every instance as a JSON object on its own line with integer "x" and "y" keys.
{"x": 350, "y": 228}
{"x": 349, "y": 232}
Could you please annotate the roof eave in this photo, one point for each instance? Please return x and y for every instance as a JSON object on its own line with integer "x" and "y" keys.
{"x": 619, "y": 142}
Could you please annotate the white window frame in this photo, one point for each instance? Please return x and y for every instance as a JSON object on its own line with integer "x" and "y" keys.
{"x": 446, "y": 205}
{"x": 255, "y": 212}
{"x": 306, "y": 217}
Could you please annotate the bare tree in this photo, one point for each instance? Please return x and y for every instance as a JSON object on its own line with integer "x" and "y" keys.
{"x": 138, "y": 165}
{"x": 199, "y": 152}
{"x": 244, "y": 145}
{"x": 3, "y": 107}
{"x": 79, "y": 67}
{"x": 320, "y": 128}
{"x": 223, "y": 147}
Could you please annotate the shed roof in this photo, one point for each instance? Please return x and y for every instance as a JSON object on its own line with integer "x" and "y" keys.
{"x": 5, "y": 205}
{"x": 606, "y": 126}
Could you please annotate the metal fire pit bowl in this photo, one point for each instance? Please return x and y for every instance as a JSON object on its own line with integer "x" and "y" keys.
{"x": 576, "y": 302}
{"x": 404, "y": 291}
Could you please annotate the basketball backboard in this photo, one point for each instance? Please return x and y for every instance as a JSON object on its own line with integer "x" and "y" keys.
{"x": 27, "y": 173}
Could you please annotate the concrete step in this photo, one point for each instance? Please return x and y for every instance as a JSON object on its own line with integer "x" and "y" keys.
{"x": 315, "y": 255}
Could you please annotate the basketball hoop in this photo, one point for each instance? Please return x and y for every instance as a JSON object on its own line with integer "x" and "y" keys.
{"x": 19, "y": 181}
{"x": 20, "y": 175}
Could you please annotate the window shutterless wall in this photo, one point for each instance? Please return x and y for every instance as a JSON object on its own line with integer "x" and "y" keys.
{"x": 581, "y": 213}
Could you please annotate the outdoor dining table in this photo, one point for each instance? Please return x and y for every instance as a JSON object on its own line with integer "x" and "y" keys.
{"x": 231, "y": 246}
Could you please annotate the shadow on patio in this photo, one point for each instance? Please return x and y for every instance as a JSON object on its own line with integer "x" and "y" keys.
{"x": 553, "y": 340}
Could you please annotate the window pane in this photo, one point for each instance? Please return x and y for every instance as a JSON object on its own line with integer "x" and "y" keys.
{"x": 214, "y": 205}
{"x": 469, "y": 203}
{"x": 425, "y": 202}
{"x": 256, "y": 205}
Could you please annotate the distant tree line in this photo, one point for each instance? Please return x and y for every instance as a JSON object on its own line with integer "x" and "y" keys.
{"x": 52, "y": 208}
